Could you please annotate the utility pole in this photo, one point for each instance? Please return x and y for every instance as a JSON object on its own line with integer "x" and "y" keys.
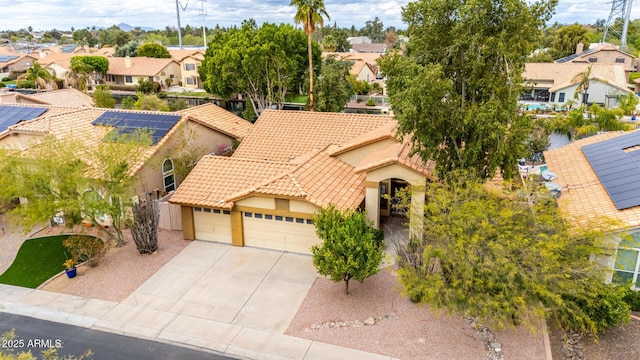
{"x": 203, "y": 13}
{"x": 179, "y": 29}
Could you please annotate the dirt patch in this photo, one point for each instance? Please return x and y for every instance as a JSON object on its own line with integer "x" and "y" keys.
{"x": 401, "y": 329}
{"x": 122, "y": 270}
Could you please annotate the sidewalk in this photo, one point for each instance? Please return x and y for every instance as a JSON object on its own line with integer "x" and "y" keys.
{"x": 234, "y": 301}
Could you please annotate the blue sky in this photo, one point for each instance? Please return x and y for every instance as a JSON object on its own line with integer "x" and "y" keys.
{"x": 63, "y": 14}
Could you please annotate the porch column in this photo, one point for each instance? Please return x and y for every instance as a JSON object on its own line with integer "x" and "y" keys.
{"x": 416, "y": 217}
{"x": 188, "y": 225}
{"x": 372, "y": 202}
{"x": 237, "y": 229}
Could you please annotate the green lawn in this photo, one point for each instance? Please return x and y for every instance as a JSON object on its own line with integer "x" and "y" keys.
{"x": 189, "y": 94}
{"x": 298, "y": 99}
{"x": 37, "y": 261}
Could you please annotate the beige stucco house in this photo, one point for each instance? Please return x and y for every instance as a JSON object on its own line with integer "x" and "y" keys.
{"x": 601, "y": 53}
{"x": 292, "y": 164}
{"x": 206, "y": 127}
{"x": 190, "y": 61}
{"x": 600, "y": 178}
{"x": 128, "y": 70}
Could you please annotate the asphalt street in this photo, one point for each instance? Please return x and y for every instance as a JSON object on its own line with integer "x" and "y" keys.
{"x": 36, "y": 335}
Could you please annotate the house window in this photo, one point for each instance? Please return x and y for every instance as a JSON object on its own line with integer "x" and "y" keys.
{"x": 561, "y": 97}
{"x": 172, "y": 76}
{"x": 128, "y": 79}
{"x": 168, "y": 177}
{"x": 593, "y": 59}
{"x": 226, "y": 212}
{"x": 299, "y": 221}
{"x": 619, "y": 60}
{"x": 197, "y": 209}
{"x": 309, "y": 222}
{"x": 248, "y": 214}
{"x": 553, "y": 97}
{"x": 268, "y": 217}
{"x": 191, "y": 81}
{"x": 207, "y": 210}
{"x": 282, "y": 204}
{"x": 627, "y": 265}
{"x": 216, "y": 211}
{"x": 288, "y": 219}
{"x": 278, "y": 218}
{"x": 189, "y": 67}
{"x": 258, "y": 216}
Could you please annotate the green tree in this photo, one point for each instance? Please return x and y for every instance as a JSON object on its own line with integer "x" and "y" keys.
{"x": 455, "y": 92}
{"x": 129, "y": 49}
{"x": 102, "y": 97}
{"x": 90, "y": 67}
{"x": 508, "y": 258}
{"x": 128, "y": 103}
{"x": 310, "y": 14}
{"x": 150, "y": 102}
{"x": 113, "y": 36}
{"x": 84, "y": 188}
{"x": 583, "y": 80}
{"x": 41, "y": 76}
{"x": 349, "y": 249}
{"x": 84, "y": 37}
{"x": 374, "y": 30}
{"x": 334, "y": 88}
{"x": 329, "y": 43}
{"x": 566, "y": 40}
{"x": 261, "y": 63}
{"x": 628, "y": 103}
{"x": 147, "y": 86}
{"x": 153, "y": 50}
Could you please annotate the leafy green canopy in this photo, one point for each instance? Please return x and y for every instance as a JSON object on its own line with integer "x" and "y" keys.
{"x": 262, "y": 63}
{"x": 455, "y": 91}
{"x": 153, "y": 50}
{"x": 334, "y": 88}
{"x": 349, "y": 249}
{"x": 508, "y": 258}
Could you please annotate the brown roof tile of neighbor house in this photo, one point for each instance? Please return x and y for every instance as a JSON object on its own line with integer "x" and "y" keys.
{"x": 179, "y": 55}
{"x": 217, "y": 118}
{"x": 320, "y": 180}
{"x": 64, "y": 97}
{"x": 281, "y": 135}
{"x": 396, "y": 153}
{"x": 62, "y": 59}
{"x": 583, "y": 195}
{"x": 140, "y": 66}
{"x": 217, "y": 178}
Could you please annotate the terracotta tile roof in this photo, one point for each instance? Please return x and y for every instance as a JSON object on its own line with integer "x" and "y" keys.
{"x": 61, "y": 59}
{"x": 219, "y": 119}
{"x": 369, "y": 48}
{"x": 179, "y": 55}
{"x": 386, "y": 131}
{"x": 217, "y": 178}
{"x": 583, "y": 195}
{"x": 321, "y": 180}
{"x": 396, "y": 153}
{"x": 281, "y": 135}
{"x": 564, "y": 73}
{"x": 77, "y": 124}
{"x": 52, "y": 111}
{"x": 140, "y": 66}
{"x": 64, "y": 97}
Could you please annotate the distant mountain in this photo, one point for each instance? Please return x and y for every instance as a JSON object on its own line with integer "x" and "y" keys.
{"x": 127, "y": 27}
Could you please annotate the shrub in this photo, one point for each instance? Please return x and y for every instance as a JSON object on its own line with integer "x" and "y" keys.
{"x": 632, "y": 298}
{"x": 128, "y": 102}
{"x": 123, "y": 87}
{"x": 26, "y": 84}
{"x": 144, "y": 228}
{"x": 85, "y": 248}
{"x": 6, "y": 79}
{"x": 370, "y": 102}
{"x": 378, "y": 236}
{"x": 2, "y": 85}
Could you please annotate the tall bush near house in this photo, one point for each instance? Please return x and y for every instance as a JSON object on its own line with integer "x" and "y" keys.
{"x": 144, "y": 228}
{"x": 85, "y": 248}
{"x": 349, "y": 248}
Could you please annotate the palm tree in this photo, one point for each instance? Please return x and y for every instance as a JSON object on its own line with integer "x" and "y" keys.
{"x": 309, "y": 14}
{"x": 42, "y": 76}
{"x": 79, "y": 76}
{"x": 583, "y": 80}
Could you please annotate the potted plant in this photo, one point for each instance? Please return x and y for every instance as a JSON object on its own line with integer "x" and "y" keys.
{"x": 70, "y": 268}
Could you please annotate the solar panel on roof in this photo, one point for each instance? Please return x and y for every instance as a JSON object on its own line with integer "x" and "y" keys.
{"x": 7, "y": 58}
{"x": 616, "y": 165}
{"x": 128, "y": 122}
{"x": 11, "y": 115}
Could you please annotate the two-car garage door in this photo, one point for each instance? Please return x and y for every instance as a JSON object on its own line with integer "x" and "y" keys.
{"x": 212, "y": 224}
{"x": 279, "y": 232}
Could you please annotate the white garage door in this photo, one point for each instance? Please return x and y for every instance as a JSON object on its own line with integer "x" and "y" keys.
{"x": 279, "y": 232}
{"x": 212, "y": 225}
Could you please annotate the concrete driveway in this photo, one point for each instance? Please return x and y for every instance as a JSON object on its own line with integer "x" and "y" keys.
{"x": 254, "y": 288}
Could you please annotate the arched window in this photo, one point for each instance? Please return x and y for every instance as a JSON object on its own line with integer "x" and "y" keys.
{"x": 168, "y": 177}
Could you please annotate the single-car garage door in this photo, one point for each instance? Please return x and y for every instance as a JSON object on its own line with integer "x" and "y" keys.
{"x": 212, "y": 224}
{"x": 279, "y": 232}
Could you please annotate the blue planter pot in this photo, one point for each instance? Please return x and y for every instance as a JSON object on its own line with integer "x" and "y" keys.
{"x": 71, "y": 273}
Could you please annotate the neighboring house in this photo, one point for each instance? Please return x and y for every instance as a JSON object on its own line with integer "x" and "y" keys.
{"x": 364, "y": 66}
{"x": 59, "y": 63}
{"x": 128, "y": 70}
{"x": 14, "y": 62}
{"x": 291, "y": 165}
{"x": 369, "y": 48}
{"x": 63, "y": 97}
{"x": 206, "y": 127}
{"x": 557, "y": 82}
{"x": 189, "y": 61}
{"x": 601, "y": 53}
{"x": 600, "y": 177}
